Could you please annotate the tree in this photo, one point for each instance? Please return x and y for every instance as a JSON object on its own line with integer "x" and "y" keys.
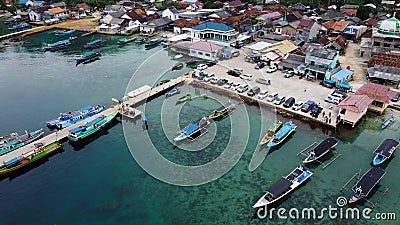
{"x": 363, "y": 12}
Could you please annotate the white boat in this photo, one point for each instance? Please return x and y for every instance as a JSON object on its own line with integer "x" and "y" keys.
{"x": 178, "y": 56}
{"x": 193, "y": 130}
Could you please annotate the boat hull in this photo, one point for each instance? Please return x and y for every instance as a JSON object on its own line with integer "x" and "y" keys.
{"x": 273, "y": 144}
{"x": 378, "y": 159}
{"x": 35, "y": 136}
{"x": 309, "y": 160}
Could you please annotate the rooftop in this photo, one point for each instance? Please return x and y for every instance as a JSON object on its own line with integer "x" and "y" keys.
{"x": 384, "y": 72}
{"x": 336, "y": 25}
{"x": 377, "y": 92}
{"x": 205, "y": 46}
{"x": 213, "y": 26}
{"x": 355, "y": 103}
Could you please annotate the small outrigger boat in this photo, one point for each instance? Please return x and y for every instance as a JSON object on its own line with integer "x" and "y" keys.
{"x": 57, "y": 45}
{"x": 320, "y": 150}
{"x": 384, "y": 151}
{"x": 67, "y": 119}
{"x": 145, "y": 124}
{"x": 271, "y": 131}
{"x": 367, "y": 182}
{"x": 193, "y": 130}
{"x": 172, "y": 92}
{"x": 184, "y": 98}
{"x": 282, "y": 134}
{"x": 94, "y": 44}
{"x": 88, "y": 57}
{"x": 64, "y": 32}
{"x": 284, "y": 186}
{"x": 13, "y": 141}
{"x": 153, "y": 43}
{"x": 20, "y": 26}
{"x": 177, "y": 66}
{"x": 222, "y": 111}
{"x": 90, "y": 127}
{"x": 388, "y": 122}
{"x": 29, "y": 157}
{"x": 125, "y": 40}
{"x": 190, "y": 62}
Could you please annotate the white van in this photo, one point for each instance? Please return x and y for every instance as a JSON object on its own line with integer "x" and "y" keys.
{"x": 246, "y": 76}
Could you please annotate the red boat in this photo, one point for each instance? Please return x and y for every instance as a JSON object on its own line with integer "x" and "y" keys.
{"x": 177, "y": 66}
{"x": 190, "y": 62}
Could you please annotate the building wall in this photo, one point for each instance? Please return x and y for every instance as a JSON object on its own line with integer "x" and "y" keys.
{"x": 169, "y": 14}
{"x": 147, "y": 29}
{"x": 385, "y": 45}
{"x": 203, "y": 55}
{"x": 33, "y": 16}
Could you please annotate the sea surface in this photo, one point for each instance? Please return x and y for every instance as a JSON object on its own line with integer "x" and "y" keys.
{"x": 99, "y": 181}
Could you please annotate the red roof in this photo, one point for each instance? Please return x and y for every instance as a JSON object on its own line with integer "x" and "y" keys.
{"x": 205, "y": 46}
{"x": 336, "y": 25}
{"x": 307, "y": 23}
{"x": 235, "y": 3}
{"x": 298, "y": 15}
{"x": 377, "y": 92}
{"x": 355, "y": 103}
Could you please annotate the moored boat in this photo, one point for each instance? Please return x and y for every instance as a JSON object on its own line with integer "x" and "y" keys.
{"x": 284, "y": 186}
{"x": 384, "y": 151}
{"x": 57, "y": 45}
{"x": 142, "y": 40}
{"x": 222, "y": 111}
{"x": 190, "y": 62}
{"x": 282, "y": 134}
{"x": 367, "y": 182}
{"x": 29, "y": 157}
{"x": 172, "y": 92}
{"x": 88, "y": 56}
{"x": 389, "y": 121}
{"x": 94, "y": 44}
{"x": 184, "y": 98}
{"x": 125, "y": 40}
{"x": 177, "y": 66}
{"x": 67, "y": 119}
{"x": 65, "y": 32}
{"x": 271, "y": 131}
{"x": 193, "y": 130}
{"x": 20, "y": 26}
{"x": 90, "y": 127}
{"x": 153, "y": 43}
{"x": 13, "y": 141}
{"x": 178, "y": 56}
{"x": 320, "y": 150}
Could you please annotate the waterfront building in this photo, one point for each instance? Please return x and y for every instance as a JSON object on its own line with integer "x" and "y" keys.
{"x": 35, "y": 13}
{"x": 321, "y": 63}
{"x": 384, "y": 75}
{"x": 57, "y": 13}
{"x": 353, "y": 108}
{"x": 380, "y": 94}
{"x": 155, "y": 25}
{"x": 205, "y": 50}
{"x": 217, "y": 32}
{"x": 171, "y": 13}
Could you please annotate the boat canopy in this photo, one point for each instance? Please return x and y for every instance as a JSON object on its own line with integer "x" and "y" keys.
{"x": 190, "y": 128}
{"x": 224, "y": 107}
{"x": 283, "y": 131}
{"x": 329, "y": 81}
{"x": 98, "y": 119}
{"x": 78, "y": 129}
{"x": 12, "y": 161}
{"x": 86, "y": 54}
{"x": 94, "y": 42}
{"x": 275, "y": 126}
{"x": 279, "y": 187}
{"x": 324, "y": 146}
{"x": 344, "y": 85}
{"x": 64, "y": 42}
{"x": 369, "y": 180}
{"x": 386, "y": 146}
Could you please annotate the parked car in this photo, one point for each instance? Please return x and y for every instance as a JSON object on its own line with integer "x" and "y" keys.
{"x": 235, "y": 86}
{"x": 242, "y": 88}
{"x": 289, "y": 74}
{"x": 238, "y": 69}
{"x": 271, "y": 97}
{"x": 339, "y": 94}
{"x": 333, "y": 99}
{"x": 208, "y": 78}
{"x": 289, "y": 102}
{"x": 255, "y": 90}
{"x": 315, "y": 111}
{"x": 271, "y": 69}
{"x": 260, "y": 65}
{"x": 307, "y": 106}
{"x": 211, "y": 63}
{"x": 297, "y": 105}
{"x": 263, "y": 81}
{"x": 279, "y": 100}
{"x": 195, "y": 73}
{"x": 396, "y": 97}
{"x": 246, "y": 76}
{"x": 300, "y": 70}
{"x": 262, "y": 94}
{"x": 222, "y": 81}
{"x": 214, "y": 80}
{"x": 202, "y": 67}
{"x": 228, "y": 85}
{"x": 234, "y": 73}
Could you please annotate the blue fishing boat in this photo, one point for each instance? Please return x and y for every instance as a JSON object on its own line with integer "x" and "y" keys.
{"x": 94, "y": 44}
{"x": 193, "y": 130}
{"x": 172, "y": 92}
{"x": 384, "y": 151}
{"x": 282, "y": 134}
{"x": 13, "y": 141}
{"x": 20, "y": 26}
{"x": 388, "y": 122}
{"x": 67, "y": 119}
{"x": 57, "y": 45}
{"x": 64, "y": 33}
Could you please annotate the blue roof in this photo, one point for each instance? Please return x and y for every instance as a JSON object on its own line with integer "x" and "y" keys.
{"x": 213, "y": 26}
{"x": 344, "y": 85}
{"x": 37, "y": 3}
{"x": 343, "y": 74}
{"x": 77, "y": 129}
{"x": 190, "y": 128}
{"x": 329, "y": 81}
{"x": 12, "y": 161}
{"x": 22, "y": 2}
{"x": 284, "y": 130}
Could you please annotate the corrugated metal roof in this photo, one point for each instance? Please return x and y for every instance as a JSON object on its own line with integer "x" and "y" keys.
{"x": 213, "y": 26}
{"x": 355, "y": 103}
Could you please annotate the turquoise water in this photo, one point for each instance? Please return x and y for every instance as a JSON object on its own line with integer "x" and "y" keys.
{"x": 99, "y": 182}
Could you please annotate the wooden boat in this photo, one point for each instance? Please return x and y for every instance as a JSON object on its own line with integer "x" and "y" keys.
{"x": 20, "y": 26}
{"x": 152, "y": 43}
{"x": 367, "y": 182}
{"x": 29, "y": 157}
{"x": 178, "y": 56}
{"x": 122, "y": 41}
{"x": 388, "y": 122}
{"x": 67, "y": 119}
{"x": 222, "y": 111}
{"x": 184, "y": 98}
{"x": 172, "y": 92}
{"x": 90, "y": 127}
{"x": 88, "y": 56}
{"x": 282, "y": 134}
{"x": 13, "y": 141}
{"x": 94, "y": 44}
{"x": 64, "y": 33}
{"x": 193, "y": 130}
{"x": 177, "y": 66}
{"x": 384, "y": 151}
{"x": 57, "y": 45}
{"x": 271, "y": 131}
{"x": 320, "y": 150}
{"x": 284, "y": 186}
{"x": 190, "y": 62}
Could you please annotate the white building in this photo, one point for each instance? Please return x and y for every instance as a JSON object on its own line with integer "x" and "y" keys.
{"x": 214, "y": 32}
{"x": 171, "y": 13}
{"x": 205, "y": 50}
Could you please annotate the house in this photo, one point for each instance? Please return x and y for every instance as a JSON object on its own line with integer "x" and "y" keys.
{"x": 83, "y": 9}
{"x": 250, "y": 26}
{"x": 205, "y": 50}
{"x": 232, "y": 5}
{"x": 295, "y": 16}
{"x": 344, "y": 75}
{"x": 321, "y": 63}
{"x": 299, "y": 7}
{"x": 348, "y": 11}
{"x": 215, "y": 32}
{"x": 171, "y": 13}
{"x": 281, "y": 48}
{"x": 220, "y": 15}
{"x": 57, "y": 13}
{"x": 155, "y": 25}
{"x": 291, "y": 62}
{"x": 335, "y": 28}
{"x": 380, "y": 94}
{"x": 353, "y": 108}
{"x": 113, "y": 8}
{"x": 353, "y": 33}
{"x": 285, "y": 28}
{"x": 308, "y": 30}
{"x": 35, "y": 13}
{"x": 338, "y": 43}
{"x": 332, "y": 15}
{"x": 384, "y": 75}
{"x": 38, "y": 3}
{"x": 181, "y": 25}
{"x": 257, "y": 47}
{"x": 268, "y": 17}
